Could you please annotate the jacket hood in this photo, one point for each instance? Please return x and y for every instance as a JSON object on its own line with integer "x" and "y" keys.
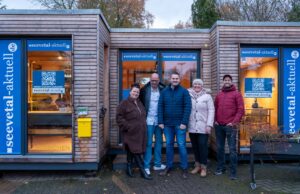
{"x": 229, "y": 89}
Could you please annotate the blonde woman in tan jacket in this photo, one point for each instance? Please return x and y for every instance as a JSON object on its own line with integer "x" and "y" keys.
{"x": 200, "y": 125}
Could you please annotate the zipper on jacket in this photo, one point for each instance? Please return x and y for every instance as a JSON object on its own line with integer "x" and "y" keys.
{"x": 138, "y": 108}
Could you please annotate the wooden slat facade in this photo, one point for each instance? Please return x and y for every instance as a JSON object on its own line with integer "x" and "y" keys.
{"x": 90, "y": 35}
{"x": 227, "y": 38}
{"x": 231, "y": 37}
{"x": 152, "y": 39}
{"x": 96, "y": 65}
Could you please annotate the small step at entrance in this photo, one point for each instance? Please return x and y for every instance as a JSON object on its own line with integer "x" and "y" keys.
{"x": 119, "y": 163}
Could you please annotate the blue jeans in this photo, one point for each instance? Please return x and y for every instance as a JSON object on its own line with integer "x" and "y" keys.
{"x": 152, "y": 129}
{"x": 170, "y": 132}
{"x": 223, "y": 132}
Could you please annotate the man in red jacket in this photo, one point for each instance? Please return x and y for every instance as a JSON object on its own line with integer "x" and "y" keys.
{"x": 229, "y": 105}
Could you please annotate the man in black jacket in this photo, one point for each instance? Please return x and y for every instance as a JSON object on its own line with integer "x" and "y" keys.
{"x": 149, "y": 96}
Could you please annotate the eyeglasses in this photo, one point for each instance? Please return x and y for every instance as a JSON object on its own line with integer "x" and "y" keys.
{"x": 154, "y": 80}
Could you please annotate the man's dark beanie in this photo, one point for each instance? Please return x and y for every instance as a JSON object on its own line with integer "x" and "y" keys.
{"x": 227, "y": 75}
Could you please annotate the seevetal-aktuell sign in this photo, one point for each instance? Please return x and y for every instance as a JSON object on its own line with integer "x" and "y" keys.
{"x": 10, "y": 97}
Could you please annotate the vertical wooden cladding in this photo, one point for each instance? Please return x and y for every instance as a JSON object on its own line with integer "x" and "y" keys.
{"x": 159, "y": 40}
{"x": 87, "y": 66}
{"x": 103, "y": 84}
{"x": 114, "y": 96}
{"x": 231, "y": 37}
{"x": 152, "y": 40}
{"x": 214, "y": 60}
{"x": 206, "y": 67}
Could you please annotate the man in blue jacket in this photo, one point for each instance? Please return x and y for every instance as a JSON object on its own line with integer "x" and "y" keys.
{"x": 174, "y": 108}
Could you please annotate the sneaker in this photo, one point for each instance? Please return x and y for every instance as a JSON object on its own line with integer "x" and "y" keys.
{"x": 233, "y": 177}
{"x": 184, "y": 174}
{"x": 165, "y": 172}
{"x": 219, "y": 172}
{"x": 162, "y": 167}
{"x": 147, "y": 170}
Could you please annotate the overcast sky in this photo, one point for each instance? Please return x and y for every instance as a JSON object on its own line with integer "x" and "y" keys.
{"x": 167, "y": 12}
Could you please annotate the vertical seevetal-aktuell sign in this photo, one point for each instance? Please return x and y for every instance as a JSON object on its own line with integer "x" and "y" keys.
{"x": 10, "y": 97}
{"x": 291, "y": 97}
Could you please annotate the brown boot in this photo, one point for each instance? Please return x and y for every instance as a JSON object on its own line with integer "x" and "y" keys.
{"x": 203, "y": 172}
{"x": 196, "y": 169}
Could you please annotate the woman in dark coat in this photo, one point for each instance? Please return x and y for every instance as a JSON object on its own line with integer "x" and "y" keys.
{"x": 131, "y": 118}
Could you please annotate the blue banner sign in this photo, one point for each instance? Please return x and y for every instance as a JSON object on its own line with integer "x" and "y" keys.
{"x": 258, "y": 87}
{"x": 291, "y": 79}
{"x": 259, "y": 52}
{"x": 10, "y": 97}
{"x": 49, "y": 45}
{"x": 125, "y": 93}
{"x": 139, "y": 56}
{"x": 179, "y": 56}
{"x": 48, "y": 82}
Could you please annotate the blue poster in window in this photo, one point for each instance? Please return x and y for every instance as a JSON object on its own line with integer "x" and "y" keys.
{"x": 258, "y": 87}
{"x": 179, "y": 56}
{"x": 125, "y": 93}
{"x": 10, "y": 97}
{"x": 49, "y": 45}
{"x": 48, "y": 82}
{"x": 139, "y": 56}
{"x": 291, "y": 95}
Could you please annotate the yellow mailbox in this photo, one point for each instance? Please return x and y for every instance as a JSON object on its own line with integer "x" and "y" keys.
{"x": 84, "y": 127}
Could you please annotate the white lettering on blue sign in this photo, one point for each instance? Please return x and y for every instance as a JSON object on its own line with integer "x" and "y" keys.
{"x": 9, "y": 98}
{"x": 291, "y": 98}
{"x": 49, "y": 45}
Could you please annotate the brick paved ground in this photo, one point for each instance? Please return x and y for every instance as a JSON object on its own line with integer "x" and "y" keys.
{"x": 271, "y": 178}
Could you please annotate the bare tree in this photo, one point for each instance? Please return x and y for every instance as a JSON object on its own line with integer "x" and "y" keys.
{"x": 254, "y": 10}
{"x": 228, "y": 10}
{"x": 58, "y": 4}
{"x": 184, "y": 25}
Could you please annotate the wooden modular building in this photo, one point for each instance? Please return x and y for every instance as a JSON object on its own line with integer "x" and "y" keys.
{"x": 64, "y": 72}
{"x": 48, "y": 136}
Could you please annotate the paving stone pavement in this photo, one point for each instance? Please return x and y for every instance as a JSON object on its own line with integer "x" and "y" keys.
{"x": 279, "y": 186}
{"x": 271, "y": 178}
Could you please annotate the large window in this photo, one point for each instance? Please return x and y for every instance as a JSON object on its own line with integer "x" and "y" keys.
{"x": 259, "y": 87}
{"x": 185, "y": 63}
{"x": 49, "y": 96}
{"x": 137, "y": 67}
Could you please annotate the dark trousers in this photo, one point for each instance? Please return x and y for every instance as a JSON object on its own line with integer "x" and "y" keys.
{"x": 200, "y": 147}
{"x": 223, "y": 132}
{"x": 137, "y": 157}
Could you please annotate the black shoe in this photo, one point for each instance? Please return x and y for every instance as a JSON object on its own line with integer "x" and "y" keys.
{"x": 184, "y": 174}
{"x": 139, "y": 161}
{"x": 129, "y": 171}
{"x": 165, "y": 172}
